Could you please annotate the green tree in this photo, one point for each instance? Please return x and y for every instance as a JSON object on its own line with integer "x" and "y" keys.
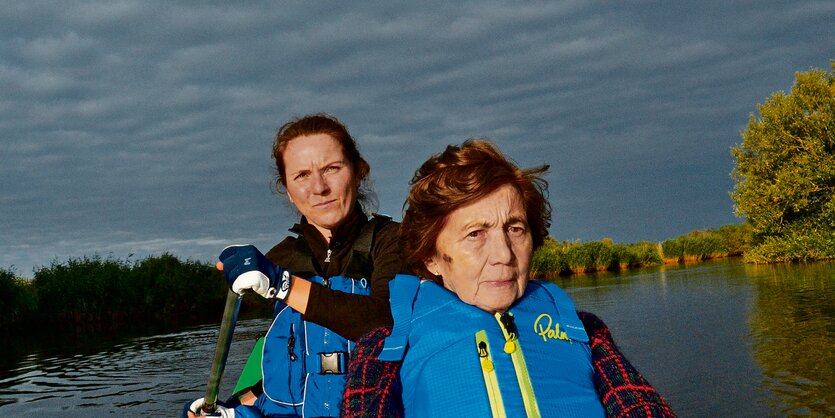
{"x": 785, "y": 172}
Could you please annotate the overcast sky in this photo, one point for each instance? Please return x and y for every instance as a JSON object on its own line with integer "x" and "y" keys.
{"x": 132, "y": 128}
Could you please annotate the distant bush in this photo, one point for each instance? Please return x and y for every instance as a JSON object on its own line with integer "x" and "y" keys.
{"x": 82, "y": 287}
{"x": 806, "y": 246}
{"x": 730, "y": 240}
{"x": 548, "y": 260}
{"x": 95, "y": 293}
{"x": 737, "y": 238}
{"x": 170, "y": 287}
{"x": 565, "y": 258}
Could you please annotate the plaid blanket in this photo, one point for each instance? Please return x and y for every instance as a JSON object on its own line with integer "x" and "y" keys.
{"x": 373, "y": 387}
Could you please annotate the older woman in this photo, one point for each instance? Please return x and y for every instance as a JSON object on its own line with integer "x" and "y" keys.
{"x": 478, "y": 338}
{"x": 330, "y": 280}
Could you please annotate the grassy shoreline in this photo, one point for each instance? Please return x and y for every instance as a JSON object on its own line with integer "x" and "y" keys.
{"x": 92, "y": 294}
{"x": 565, "y": 258}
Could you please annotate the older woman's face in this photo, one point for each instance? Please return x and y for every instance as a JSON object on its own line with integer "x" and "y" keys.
{"x": 484, "y": 251}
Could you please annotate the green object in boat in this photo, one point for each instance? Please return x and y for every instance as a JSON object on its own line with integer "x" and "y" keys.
{"x": 251, "y": 374}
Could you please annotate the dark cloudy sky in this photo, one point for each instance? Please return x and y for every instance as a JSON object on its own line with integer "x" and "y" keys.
{"x": 131, "y": 128}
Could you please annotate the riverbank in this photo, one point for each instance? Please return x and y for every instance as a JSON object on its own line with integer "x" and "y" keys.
{"x": 94, "y": 295}
{"x": 565, "y": 258}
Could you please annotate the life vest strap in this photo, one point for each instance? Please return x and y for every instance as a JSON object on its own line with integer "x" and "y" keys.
{"x": 403, "y": 290}
{"x": 488, "y": 371}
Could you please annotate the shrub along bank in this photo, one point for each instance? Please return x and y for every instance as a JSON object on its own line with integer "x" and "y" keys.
{"x": 563, "y": 258}
{"x": 96, "y": 294}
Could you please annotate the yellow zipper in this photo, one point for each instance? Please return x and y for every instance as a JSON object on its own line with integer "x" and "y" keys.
{"x": 512, "y": 347}
{"x": 488, "y": 371}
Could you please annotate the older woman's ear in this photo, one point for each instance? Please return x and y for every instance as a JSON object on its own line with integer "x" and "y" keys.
{"x": 432, "y": 266}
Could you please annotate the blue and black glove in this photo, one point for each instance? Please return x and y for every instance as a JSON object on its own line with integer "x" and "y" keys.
{"x": 245, "y": 268}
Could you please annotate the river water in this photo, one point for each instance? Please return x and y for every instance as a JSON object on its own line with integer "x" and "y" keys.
{"x": 717, "y": 339}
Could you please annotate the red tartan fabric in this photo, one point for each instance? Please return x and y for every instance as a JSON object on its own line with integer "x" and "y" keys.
{"x": 623, "y": 391}
{"x": 373, "y": 387}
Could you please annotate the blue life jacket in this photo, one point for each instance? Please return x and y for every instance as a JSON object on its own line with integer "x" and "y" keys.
{"x": 303, "y": 364}
{"x": 445, "y": 368}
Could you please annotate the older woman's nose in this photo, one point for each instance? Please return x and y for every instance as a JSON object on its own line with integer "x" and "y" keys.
{"x": 501, "y": 249}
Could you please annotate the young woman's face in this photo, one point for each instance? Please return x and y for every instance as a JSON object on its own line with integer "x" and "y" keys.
{"x": 320, "y": 181}
{"x": 483, "y": 252}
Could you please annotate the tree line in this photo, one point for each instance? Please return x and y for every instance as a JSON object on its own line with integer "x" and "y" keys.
{"x": 98, "y": 294}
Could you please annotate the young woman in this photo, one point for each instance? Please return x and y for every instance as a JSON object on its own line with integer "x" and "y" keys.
{"x": 330, "y": 279}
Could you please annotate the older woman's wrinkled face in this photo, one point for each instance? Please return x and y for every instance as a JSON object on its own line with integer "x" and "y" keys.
{"x": 484, "y": 251}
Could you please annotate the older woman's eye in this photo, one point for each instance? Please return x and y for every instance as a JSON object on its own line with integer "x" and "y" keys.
{"x": 516, "y": 230}
{"x": 302, "y": 175}
{"x": 475, "y": 234}
{"x": 333, "y": 168}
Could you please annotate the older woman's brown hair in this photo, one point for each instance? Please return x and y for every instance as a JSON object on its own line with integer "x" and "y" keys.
{"x": 456, "y": 177}
{"x": 322, "y": 123}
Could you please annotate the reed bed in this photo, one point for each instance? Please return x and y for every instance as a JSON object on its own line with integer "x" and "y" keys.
{"x": 94, "y": 293}
{"x": 563, "y": 258}
{"x": 17, "y": 300}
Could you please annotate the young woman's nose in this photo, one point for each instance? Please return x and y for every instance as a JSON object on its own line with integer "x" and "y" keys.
{"x": 320, "y": 184}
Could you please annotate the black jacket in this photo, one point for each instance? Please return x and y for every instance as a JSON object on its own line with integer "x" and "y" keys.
{"x": 350, "y": 316}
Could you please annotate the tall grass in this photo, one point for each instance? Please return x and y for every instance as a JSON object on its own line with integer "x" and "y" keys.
{"x": 565, "y": 258}
{"x": 729, "y": 240}
{"x": 17, "y": 301}
{"x": 93, "y": 293}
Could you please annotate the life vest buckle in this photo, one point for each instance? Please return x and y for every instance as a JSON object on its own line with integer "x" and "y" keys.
{"x": 332, "y": 363}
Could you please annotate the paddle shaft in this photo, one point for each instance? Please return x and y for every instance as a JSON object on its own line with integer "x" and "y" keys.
{"x": 224, "y": 340}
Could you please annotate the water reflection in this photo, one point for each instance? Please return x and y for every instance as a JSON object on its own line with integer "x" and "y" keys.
{"x": 793, "y": 327}
{"x": 724, "y": 338}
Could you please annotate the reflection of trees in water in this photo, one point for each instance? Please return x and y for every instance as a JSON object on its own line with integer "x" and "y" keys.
{"x": 793, "y": 328}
